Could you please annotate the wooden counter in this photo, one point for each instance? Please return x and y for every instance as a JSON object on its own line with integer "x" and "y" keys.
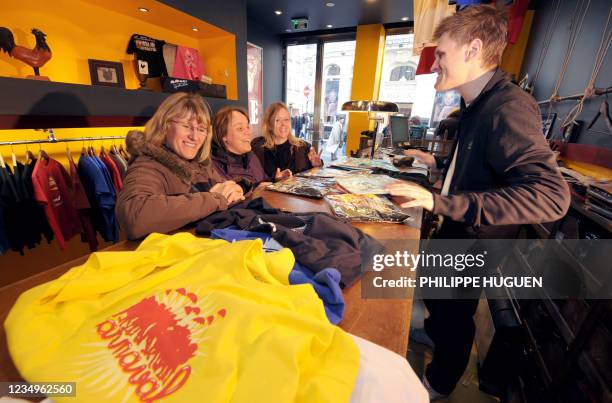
{"x": 382, "y": 321}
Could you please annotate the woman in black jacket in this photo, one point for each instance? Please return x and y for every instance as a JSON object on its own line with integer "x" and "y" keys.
{"x": 280, "y": 152}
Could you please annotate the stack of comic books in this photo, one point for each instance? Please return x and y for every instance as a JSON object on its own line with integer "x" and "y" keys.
{"x": 366, "y": 207}
{"x": 310, "y": 187}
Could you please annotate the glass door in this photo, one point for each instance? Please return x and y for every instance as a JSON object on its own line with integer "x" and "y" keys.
{"x": 319, "y": 77}
{"x": 300, "y": 88}
{"x": 337, "y": 80}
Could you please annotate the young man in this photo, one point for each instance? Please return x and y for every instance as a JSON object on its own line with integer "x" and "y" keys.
{"x": 502, "y": 172}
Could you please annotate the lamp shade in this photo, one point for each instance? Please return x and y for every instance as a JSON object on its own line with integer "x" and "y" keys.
{"x": 370, "y": 106}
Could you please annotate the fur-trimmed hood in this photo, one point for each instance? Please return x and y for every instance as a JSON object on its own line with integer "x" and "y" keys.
{"x": 185, "y": 170}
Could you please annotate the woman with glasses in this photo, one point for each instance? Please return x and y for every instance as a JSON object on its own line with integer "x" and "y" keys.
{"x": 170, "y": 181}
{"x": 231, "y": 149}
{"x": 280, "y": 152}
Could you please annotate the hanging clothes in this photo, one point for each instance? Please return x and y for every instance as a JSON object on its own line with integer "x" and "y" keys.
{"x": 33, "y": 221}
{"x": 185, "y": 318}
{"x": 120, "y": 163}
{"x": 5, "y": 245}
{"x": 12, "y": 211}
{"x": 114, "y": 172}
{"x": 40, "y": 222}
{"x": 427, "y": 16}
{"x": 426, "y": 60}
{"x": 83, "y": 207}
{"x": 516, "y": 18}
{"x": 101, "y": 195}
{"x": 52, "y": 191}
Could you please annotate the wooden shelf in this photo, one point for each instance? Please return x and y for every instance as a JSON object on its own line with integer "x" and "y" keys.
{"x": 31, "y": 104}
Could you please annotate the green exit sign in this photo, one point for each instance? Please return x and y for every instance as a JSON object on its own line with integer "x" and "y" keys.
{"x": 299, "y": 23}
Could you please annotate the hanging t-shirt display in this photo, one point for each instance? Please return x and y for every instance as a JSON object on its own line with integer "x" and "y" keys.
{"x": 52, "y": 191}
{"x": 149, "y": 50}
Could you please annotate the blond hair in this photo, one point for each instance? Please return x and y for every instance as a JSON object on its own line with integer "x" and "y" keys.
{"x": 484, "y": 22}
{"x": 268, "y": 125}
{"x": 181, "y": 105}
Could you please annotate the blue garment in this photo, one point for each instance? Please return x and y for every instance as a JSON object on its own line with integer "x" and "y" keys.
{"x": 101, "y": 194}
{"x": 326, "y": 283}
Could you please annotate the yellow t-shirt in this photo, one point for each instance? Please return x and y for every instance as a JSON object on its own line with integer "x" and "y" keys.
{"x": 183, "y": 319}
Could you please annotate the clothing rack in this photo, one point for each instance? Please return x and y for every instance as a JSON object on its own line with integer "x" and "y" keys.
{"x": 596, "y": 92}
{"x": 48, "y": 141}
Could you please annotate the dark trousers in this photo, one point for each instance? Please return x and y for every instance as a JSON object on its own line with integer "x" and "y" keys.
{"x": 450, "y": 326}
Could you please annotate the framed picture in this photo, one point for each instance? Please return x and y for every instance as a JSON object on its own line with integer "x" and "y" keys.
{"x": 109, "y": 74}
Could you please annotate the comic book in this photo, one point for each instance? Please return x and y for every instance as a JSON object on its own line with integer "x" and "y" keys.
{"x": 368, "y": 207}
{"x": 328, "y": 172}
{"x": 309, "y": 187}
{"x": 364, "y": 163}
{"x": 367, "y": 184}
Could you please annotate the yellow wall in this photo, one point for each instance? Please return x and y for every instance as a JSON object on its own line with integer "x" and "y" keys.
{"x": 369, "y": 51}
{"x": 78, "y": 30}
{"x": 58, "y": 150}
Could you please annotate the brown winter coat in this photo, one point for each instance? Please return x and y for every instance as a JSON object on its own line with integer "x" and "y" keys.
{"x": 160, "y": 191}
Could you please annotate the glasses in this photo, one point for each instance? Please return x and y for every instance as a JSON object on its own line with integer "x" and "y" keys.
{"x": 202, "y": 130}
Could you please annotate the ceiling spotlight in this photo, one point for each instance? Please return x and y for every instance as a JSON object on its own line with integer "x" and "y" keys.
{"x": 143, "y": 10}
{"x": 278, "y": 12}
{"x": 404, "y": 18}
{"x": 330, "y": 4}
{"x": 329, "y": 26}
{"x": 194, "y": 29}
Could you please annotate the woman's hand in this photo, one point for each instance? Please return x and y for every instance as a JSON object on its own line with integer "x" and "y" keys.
{"x": 314, "y": 158}
{"x": 280, "y": 175}
{"x": 422, "y": 157}
{"x": 230, "y": 190}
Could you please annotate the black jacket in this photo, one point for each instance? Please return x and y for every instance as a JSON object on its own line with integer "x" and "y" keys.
{"x": 505, "y": 172}
{"x": 317, "y": 240}
{"x": 297, "y": 163}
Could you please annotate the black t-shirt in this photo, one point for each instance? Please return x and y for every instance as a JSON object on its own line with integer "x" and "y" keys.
{"x": 149, "y": 50}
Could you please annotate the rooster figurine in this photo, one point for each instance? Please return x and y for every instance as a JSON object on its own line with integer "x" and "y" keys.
{"x": 36, "y": 57}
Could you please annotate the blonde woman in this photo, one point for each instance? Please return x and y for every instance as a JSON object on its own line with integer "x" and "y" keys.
{"x": 279, "y": 151}
{"x": 170, "y": 181}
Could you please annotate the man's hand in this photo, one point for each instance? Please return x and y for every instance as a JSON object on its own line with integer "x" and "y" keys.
{"x": 230, "y": 190}
{"x": 422, "y": 157}
{"x": 280, "y": 175}
{"x": 314, "y": 158}
{"x": 411, "y": 195}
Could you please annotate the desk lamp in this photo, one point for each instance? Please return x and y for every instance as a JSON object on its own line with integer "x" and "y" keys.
{"x": 371, "y": 106}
